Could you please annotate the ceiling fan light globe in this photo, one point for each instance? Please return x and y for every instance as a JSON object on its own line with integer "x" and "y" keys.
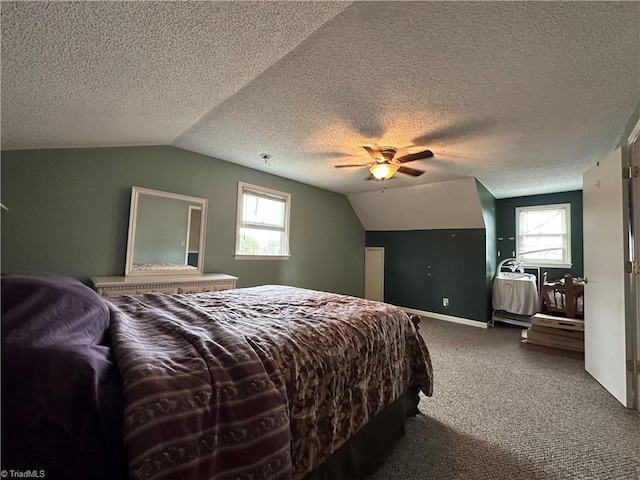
{"x": 383, "y": 171}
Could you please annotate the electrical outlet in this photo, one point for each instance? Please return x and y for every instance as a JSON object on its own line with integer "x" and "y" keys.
{"x": 445, "y": 302}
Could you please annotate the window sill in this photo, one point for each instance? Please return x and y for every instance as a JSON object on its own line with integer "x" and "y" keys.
{"x": 547, "y": 265}
{"x": 262, "y": 257}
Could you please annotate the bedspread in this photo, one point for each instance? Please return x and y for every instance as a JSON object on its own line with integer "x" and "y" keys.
{"x": 262, "y": 382}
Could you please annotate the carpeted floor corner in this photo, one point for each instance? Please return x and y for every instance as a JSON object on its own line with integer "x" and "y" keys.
{"x": 500, "y": 411}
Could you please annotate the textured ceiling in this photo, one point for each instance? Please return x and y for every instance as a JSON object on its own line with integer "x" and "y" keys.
{"x": 524, "y": 96}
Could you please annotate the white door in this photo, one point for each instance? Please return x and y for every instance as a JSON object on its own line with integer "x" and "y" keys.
{"x": 604, "y": 259}
{"x": 374, "y": 273}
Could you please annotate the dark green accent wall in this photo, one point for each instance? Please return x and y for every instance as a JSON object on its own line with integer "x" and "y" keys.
{"x": 488, "y": 205}
{"x": 506, "y": 226}
{"x": 69, "y": 212}
{"x": 423, "y": 266}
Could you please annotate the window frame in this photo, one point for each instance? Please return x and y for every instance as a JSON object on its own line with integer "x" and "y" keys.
{"x": 566, "y": 261}
{"x": 265, "y": 192}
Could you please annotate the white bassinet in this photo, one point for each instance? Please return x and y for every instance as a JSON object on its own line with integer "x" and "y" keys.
{"x": 515, "y": 291}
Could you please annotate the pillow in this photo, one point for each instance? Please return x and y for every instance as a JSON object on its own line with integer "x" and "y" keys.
{"x": 51, "y": 309}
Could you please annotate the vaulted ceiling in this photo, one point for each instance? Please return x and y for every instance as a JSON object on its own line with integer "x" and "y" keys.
{"x": 524, "y": 96}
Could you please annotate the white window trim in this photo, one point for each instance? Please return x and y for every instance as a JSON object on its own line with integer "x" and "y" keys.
{"x": 546, "y": 263}
{"x": 242, "y": 186}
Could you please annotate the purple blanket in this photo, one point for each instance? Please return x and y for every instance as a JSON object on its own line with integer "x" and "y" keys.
{"x": 61, "y": 390}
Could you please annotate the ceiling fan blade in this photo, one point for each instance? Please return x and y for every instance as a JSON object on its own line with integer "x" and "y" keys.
{"x": 414, "y": 156}
{"x": 411, "y": 171}
{"x": 373, "y": 153}
{"x": 353, "y": 165}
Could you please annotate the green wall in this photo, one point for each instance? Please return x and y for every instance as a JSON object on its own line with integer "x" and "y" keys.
{"x": 423, "y": 266}
{"x": 488, "y": 205}
{"x": 506, "y": 227}
{"x": 69, "y": 212}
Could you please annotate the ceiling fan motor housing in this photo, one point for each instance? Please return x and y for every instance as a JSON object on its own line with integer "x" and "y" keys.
{"x": 387, "y": 153}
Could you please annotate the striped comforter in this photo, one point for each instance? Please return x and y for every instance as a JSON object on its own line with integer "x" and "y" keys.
{"x": 256, "y": 383}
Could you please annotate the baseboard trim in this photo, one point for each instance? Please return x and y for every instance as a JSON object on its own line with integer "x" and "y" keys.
{"x": 447, "y": 318}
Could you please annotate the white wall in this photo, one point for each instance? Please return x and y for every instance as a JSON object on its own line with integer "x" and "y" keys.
{"x": 431, "y": 206}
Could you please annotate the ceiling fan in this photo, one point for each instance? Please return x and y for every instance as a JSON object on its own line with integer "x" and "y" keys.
{"x": 387, "y": 164}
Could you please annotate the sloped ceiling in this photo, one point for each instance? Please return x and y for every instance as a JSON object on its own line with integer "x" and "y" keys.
{"x": 524, "y": 96}
{"x": 453, "y": 204}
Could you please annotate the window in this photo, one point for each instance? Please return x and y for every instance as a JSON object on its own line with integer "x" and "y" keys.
{"x": 262, "y": 229}
{"x": 544, "y": 235}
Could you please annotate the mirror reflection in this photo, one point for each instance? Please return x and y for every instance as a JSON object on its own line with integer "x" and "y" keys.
{"x": 166, "y": 233}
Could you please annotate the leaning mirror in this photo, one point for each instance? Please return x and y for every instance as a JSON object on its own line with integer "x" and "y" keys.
{"x": 166, "y": 233}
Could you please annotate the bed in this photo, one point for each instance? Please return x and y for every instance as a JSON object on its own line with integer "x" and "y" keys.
{"x": 563, "y": 297}
{"x": 269, "y": 382}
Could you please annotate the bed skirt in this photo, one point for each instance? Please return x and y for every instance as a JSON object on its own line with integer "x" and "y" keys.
{"x": 365, "y": 450}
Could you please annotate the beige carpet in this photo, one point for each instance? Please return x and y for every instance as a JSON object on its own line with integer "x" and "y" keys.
{"x": 502, "y": 412}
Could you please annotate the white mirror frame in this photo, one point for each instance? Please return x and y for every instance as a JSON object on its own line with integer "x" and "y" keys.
{"x": 133, "y": 221}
